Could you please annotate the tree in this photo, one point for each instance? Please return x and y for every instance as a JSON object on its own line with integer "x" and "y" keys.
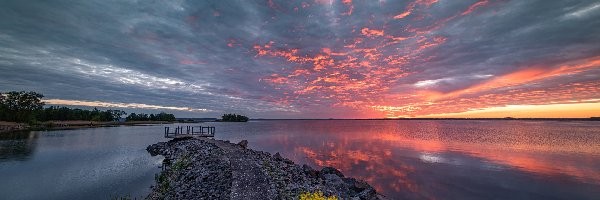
{"x": 234, "y": 118}
{"x": 28, "y": 106}
{"x": 3, "y": 108}
{"x": 116, "y": 114}
{"x": 152, "y": 117}
{"x": 20, "y": 106}
{"x": 165, "y": 117}
{"x": 131, "y": 117}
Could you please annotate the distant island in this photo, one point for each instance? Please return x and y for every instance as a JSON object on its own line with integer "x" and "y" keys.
{"x": 233, "y": 118}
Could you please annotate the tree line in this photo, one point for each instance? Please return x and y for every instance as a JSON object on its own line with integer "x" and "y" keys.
{"x": 64, "y": 113}
{"x": 234, "y": 118}
{"x": 28, "y": 107}
{"x": 152, "y": 117}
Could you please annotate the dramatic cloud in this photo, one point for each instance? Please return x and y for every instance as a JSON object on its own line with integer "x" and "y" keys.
{"x": 304, "y": 58}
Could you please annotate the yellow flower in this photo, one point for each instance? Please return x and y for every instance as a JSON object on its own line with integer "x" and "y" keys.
{"x": 318, "y": 195}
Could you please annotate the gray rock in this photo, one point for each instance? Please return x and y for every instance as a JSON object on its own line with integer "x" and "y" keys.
{"x": 330, "y": 170}
{"x": 277, "y": 157}
{"x": 244, "y": 144}
{"x": 310, "y": 171}
{"x": 214, "y": 169}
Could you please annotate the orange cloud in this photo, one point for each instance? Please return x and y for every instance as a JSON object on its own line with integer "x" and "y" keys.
{"x": 474, "y": 7}
{"x": 371, "y": 32}
{"x": 367, "y": 73}
{"x": 529, "y": 75}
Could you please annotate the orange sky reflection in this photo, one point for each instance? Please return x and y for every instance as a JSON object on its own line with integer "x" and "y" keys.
{"x": 394, "y": 155}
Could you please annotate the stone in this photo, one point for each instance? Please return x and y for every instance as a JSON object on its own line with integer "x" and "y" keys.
{"x": 310, "y": 171}
{"x": 277, "y": 157}
{"x": 210, "y": 174}
{"x": 361, "y": 185}
{"x": 330, "y": 170}
{"x": 243, "y": 144}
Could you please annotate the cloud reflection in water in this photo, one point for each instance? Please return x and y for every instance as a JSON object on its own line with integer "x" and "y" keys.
{"x": 449, "y": 159}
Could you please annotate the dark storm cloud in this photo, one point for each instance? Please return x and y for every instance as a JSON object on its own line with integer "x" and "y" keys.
{"x": 206, "y": 55}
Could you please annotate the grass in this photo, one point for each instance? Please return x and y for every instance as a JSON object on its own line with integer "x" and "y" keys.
{"x": 162, "y": 181}
{"x": 181, "y": 163}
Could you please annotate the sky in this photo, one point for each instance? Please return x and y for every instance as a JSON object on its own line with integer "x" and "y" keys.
{"x": 308, "y": 58}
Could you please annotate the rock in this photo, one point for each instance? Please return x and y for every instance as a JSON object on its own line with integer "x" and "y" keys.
{"x": 310, "y": 171}
{"x": 336, "y": 182}
{"x": 156, "y": 149}
{"x": 349, "y": 181}
{"x": 369, "y": 193}
{"x": 361, "y": 185}
{"x": 330, "y": 170}
{"x": 208, "y": 173}
{"x": 277, "y": 157}
{"x": 364, "y": 190}
{"x": 244, "y": 144}
{"x": 288, "y": 161}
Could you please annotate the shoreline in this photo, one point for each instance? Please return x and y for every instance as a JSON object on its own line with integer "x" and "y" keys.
{"x": 8, "y": 127}
{"x": 203, "y": 168}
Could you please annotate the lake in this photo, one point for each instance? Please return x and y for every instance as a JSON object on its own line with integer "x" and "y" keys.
{"x": 438, "y": 159}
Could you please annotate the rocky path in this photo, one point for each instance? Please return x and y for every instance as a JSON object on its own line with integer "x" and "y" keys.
{"x": 245, "y": 170}
{"x": 214, "y": 169}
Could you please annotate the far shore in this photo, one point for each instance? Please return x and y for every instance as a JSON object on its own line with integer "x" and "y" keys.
{"x": 66, "y": 125}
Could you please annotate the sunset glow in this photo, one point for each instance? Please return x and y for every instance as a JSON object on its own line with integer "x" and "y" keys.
{"x": 311, "y": 59}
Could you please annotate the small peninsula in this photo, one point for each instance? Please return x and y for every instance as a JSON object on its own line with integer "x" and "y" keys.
{"x": 202, "y": 168}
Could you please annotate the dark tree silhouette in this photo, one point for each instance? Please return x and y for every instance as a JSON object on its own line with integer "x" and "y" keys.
{"x": 234, "y": 118}
{"x": 152, "y": 117}
{"x": 64, "y": 113}
{"x": 20, "y": 106}
{"x": 28, "y": 107}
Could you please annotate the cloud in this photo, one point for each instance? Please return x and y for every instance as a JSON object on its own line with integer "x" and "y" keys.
{"x": 304, "y": 59}
{"x": 120, "y": 105}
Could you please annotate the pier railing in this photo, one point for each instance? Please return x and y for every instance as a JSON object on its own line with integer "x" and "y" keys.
{"x": 190, "y": 131}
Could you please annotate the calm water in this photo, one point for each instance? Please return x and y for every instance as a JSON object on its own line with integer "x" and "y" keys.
{"x": 402, "y": 159}
{"x": 97, "y": 163}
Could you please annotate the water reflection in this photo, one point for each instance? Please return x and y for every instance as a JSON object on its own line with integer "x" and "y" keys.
{"x": 17, "y": 145}
{"x": 78, "y": 164}
{"x": 402, "y": 159}
{"x": 447, "y": 159}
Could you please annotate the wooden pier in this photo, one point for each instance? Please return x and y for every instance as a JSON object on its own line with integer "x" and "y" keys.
{"x": 190, "y": 131}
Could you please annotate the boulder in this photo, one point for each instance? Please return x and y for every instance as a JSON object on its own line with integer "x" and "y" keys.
{"x": 310, "y": 171}
{"x": 156, "y": 149}
{"x": 278, "y": 157}
{"x": 244, "y": 144}
{"x": 364, "y": 190}
{"x": 330, "y": 170}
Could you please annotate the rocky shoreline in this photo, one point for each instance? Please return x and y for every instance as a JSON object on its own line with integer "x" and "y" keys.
{"x": 201, "y": 168}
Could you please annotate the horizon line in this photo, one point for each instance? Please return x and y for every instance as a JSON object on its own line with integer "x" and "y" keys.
{"x": 417, "y": 118}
